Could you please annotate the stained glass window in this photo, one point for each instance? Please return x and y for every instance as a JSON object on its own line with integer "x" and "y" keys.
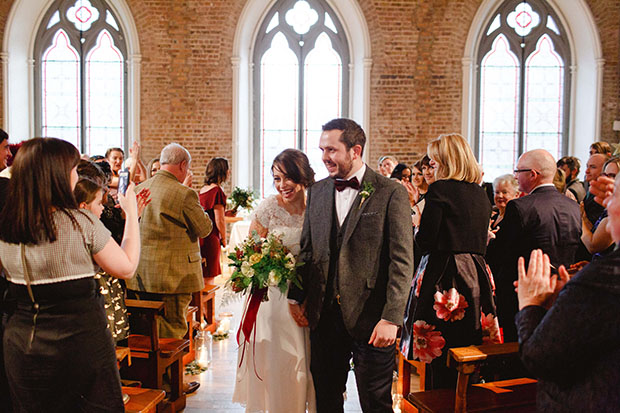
{"x": 523, "y": 86}
{"x": 301, "y": 82}
{"x": 80, "y": 76}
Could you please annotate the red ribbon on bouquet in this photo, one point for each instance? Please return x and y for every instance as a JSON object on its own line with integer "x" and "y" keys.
{"x": 248, "y": 323}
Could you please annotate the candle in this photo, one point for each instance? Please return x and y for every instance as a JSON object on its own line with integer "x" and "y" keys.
{"x": 224, "y": 326}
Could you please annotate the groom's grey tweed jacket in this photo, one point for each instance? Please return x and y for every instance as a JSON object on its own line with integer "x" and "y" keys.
{"x": 375, "y": 265}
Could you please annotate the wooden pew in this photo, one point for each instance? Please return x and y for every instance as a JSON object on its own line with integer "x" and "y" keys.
{"x": 515, "y": 395}
{"x": 143, "y": 400}
{"x": 192, "y": 324}
{"x": 151, "y": 356}
{"x": 205, "y": 301}
{"x": 403, "y": 387}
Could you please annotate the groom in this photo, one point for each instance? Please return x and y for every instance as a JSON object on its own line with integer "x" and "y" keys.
{"x": 358, "y": 248}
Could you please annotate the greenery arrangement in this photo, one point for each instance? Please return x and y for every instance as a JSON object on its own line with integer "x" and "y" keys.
{"x": 261, "y": 262}
{"x": 241, "y": 198}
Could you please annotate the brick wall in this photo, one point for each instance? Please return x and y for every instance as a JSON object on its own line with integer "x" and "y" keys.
{"x": 416, "y": 78}
{"x": 607, "y": 16}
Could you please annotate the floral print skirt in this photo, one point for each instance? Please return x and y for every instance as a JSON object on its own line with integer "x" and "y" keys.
{"x": 451, "y": 304}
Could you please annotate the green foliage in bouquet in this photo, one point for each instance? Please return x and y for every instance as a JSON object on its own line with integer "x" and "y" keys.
{"x": 261, "y": 262}
{"x": 241, "y": 198}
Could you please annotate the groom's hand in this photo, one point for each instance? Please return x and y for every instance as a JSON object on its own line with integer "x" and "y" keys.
{"x": 297, "y": 312}
{"x": 384, "y": 334}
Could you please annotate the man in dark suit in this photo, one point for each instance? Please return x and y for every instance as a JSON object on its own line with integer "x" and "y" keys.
{"x": 357, "y": 248}
{"x": 545, "y": 219}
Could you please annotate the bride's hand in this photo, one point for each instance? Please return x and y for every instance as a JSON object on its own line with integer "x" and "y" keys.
{"x": 297, "y": 312}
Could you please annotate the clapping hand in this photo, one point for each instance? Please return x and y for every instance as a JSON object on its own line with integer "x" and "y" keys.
{"x": 602, "y": 188}
{"x": 537, "y": 286}
{"x": 189, "y": 178}
{"x": 144, "y": 198}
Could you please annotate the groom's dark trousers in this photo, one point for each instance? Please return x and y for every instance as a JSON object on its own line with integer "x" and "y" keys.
{"x": 330, "y": 364}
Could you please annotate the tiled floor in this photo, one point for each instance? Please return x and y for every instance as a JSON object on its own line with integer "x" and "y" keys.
{"x": 217, "y": 383}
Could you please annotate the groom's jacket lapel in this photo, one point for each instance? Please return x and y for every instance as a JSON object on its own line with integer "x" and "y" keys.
{"x": 356, "y": 209}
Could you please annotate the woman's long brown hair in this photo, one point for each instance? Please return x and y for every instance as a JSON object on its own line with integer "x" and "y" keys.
{"x": 40, "y": 184}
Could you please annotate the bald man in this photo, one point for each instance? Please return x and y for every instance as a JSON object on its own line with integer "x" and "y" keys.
{"x": 594, "y": 168}
{"x": 544, "y": 219}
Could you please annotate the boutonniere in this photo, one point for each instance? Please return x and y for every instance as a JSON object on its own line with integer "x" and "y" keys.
{"x": 367, "y": 190}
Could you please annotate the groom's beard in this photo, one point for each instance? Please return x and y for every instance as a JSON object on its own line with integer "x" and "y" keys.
{"x": 343, "y": 168}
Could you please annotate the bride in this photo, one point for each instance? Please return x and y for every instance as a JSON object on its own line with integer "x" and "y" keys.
{"x": 273, "y": 373}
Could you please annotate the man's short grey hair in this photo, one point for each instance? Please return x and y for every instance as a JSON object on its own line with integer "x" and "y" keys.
{"x": 174, "y": 154}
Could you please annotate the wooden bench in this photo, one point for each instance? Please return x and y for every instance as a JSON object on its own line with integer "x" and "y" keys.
{"x": 403, "y": 388}
{"x": 205, "y": 301}
{"x": 123, "y": 356}
{"x": 143, "y": 400}
{"x": 515, "y": 395}
{"x": 192, "y": 324}
{"x": 151, "y": 356}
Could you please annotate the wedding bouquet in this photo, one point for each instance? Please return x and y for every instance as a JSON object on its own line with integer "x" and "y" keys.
{"x": 241, "y": 198}
{"x": 261, "y": 262}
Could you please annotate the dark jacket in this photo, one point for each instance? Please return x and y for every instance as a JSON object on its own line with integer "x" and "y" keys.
{"x": 544, "y": 219}
{"x": 455, "y": 219}
{"x": 574, "y": 348}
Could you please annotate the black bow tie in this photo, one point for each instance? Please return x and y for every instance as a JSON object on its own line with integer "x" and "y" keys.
{"x": 341, "y": 184}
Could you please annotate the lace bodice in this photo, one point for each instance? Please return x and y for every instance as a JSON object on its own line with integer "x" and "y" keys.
{"x": 277, "y": 219}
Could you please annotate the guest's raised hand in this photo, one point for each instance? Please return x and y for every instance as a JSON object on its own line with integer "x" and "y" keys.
{"x": 128, "y": 202}
{"x": 189, "y": 178}
{"x": 536, "y": 285}
{"x": 143, "y": 199}
{"x": 384, "y": 334}
{"x": 412, "y": 191}
{"x": 602, "y": 188}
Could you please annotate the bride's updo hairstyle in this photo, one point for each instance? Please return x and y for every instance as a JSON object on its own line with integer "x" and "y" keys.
{"x": 454, "y": 159}
{"x": 294, "y": 164}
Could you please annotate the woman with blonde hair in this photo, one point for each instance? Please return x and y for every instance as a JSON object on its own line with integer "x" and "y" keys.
{"x": 451, "y": 300}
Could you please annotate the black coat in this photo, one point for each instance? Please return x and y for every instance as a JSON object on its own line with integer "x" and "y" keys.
{"x": 453, "y": 234}
{"x": 574, "y": 348}
{"x": 455, "y": 218}
{"x": 543, "y": 219}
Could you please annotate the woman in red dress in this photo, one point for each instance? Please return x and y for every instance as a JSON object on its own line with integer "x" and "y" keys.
{"x": 213, "y": 201}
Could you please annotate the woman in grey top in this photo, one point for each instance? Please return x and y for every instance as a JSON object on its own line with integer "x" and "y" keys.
{"x": 59, "y": 355}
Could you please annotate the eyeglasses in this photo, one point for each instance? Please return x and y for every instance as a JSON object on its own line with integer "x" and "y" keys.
{"x": 523, "y": 170}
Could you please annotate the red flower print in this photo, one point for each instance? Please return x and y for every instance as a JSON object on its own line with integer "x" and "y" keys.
{"x": 450, "y": 305}
{"x": 427, "y": 344}
{"x": 490, "y": 329}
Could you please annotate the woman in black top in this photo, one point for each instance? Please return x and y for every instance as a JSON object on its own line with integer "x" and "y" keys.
{"x": 451, "y": 300}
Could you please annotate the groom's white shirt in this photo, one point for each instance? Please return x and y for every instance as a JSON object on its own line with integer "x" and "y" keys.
{"x": 345, "y": 198}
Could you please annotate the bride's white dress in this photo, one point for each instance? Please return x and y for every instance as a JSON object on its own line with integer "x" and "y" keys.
{"x": 280, "y": 351}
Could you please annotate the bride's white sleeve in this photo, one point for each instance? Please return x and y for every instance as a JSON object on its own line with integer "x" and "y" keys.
{"x": 264, "y": 212}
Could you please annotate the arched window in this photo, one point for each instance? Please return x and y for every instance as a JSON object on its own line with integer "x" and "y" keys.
{"x": 81, "y": 76}
{"x": 301, "y": 78}
{"x": 524, "y": 78}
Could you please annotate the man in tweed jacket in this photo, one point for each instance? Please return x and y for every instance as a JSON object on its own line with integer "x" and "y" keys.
{"x": 169, "y": 268}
